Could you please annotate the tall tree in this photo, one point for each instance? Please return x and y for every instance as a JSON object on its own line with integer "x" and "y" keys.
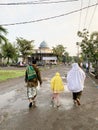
{"x": 59, "y": 51}
{"x": 84, "y": 44}
{"x": 94, "y": 45}
{"x": 94, "y": 41}
{"x": 67, "y": 57}
{"x": 89, "y": 45}
{"x": 3, "y": 32}
{"x": 8, "y": 52}
{"x": 25, "y": 47}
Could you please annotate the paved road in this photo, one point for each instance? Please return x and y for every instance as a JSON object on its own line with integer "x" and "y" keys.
{"x": 15, "y": 114}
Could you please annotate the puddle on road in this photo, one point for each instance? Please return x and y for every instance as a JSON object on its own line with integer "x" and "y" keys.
{"x": 17, "y": 98}
{"x": 96, "y": 118}
{"x": 4, "y": 98}
{"x": 67, "y": 104}
{"x": 66, "y": 101}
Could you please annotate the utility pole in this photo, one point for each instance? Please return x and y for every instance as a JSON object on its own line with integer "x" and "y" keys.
{"x": 78, "y": 45}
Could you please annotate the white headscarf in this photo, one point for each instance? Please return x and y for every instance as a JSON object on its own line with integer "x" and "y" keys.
{"x": 75, "y": 78}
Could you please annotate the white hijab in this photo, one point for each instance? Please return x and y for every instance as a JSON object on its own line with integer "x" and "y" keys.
{"x": 75, "y": 78}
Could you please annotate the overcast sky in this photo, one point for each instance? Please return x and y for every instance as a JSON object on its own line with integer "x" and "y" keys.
{"x": 60, "y": 30}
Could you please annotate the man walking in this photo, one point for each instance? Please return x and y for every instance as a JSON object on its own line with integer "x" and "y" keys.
{"x": 32, "y": 77}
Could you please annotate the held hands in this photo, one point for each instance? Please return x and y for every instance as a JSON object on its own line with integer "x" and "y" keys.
{"x": 39, "y": 85}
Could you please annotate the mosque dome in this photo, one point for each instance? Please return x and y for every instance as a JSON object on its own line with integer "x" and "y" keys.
{"x": 43, "y": 45}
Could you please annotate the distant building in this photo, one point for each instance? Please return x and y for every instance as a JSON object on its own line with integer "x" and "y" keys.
{"x": 44, "y": 54}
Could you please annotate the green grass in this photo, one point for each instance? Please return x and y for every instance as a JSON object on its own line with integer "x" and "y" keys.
{"x": 10, "y": 74}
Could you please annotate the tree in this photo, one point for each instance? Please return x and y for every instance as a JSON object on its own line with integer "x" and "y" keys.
{"x": 25, "y": 47}
{"x": 2, "y": 37}
{"x": 94, "y": 40}
{"x": 84, "y": 44}
{"x": 89, "y": 46}
{"x": 94, "y": 45}
{"x": 66, "y": 57}
{"x": 8, "y": 51}
{"x": 59, "y": 51}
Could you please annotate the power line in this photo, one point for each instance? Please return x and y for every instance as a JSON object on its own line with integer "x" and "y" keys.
{"x": 86, "y": 14}
{"x": 48, "y": 18}
{"x": 32, "y": 2}
{"x": 92, "y": 16}
{"x": 80, "y": 15}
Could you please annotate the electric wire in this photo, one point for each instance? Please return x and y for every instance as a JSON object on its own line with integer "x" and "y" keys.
{"x": 48, "y": 18}
{"x": 85, "y": 19}
{"x": 32, "y": 2}
{"x": 92, "y": 16}
{"x": 80, "y": 15}
{"x": 78, "y": 44}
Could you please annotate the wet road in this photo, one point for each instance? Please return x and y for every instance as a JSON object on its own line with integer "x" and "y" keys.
{"x": 16, "y": 115}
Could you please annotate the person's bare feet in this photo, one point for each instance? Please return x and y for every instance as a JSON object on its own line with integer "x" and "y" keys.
{"x": 78, "y": 102}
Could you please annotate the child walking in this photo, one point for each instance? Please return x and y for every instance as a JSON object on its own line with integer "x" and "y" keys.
{"x": 57, "y": 87}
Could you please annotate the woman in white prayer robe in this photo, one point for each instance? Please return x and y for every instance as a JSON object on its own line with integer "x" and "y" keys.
{"x": 75, "y": 82}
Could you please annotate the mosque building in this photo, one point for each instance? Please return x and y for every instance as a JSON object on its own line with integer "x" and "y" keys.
{"x": 44, "y": 54}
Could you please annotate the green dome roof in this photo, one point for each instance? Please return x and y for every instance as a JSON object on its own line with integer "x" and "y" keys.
{"x": 43, "y": 45}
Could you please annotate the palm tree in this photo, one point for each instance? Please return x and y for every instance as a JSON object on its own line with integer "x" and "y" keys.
{"x": 59, "y": 50}
{"x": 25, "y": 47}
{"x": 9, "y": 51}
{"x": 2, "y": 37}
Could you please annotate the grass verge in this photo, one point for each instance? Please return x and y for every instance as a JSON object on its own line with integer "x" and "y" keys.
{"x": 10, "y": 74}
